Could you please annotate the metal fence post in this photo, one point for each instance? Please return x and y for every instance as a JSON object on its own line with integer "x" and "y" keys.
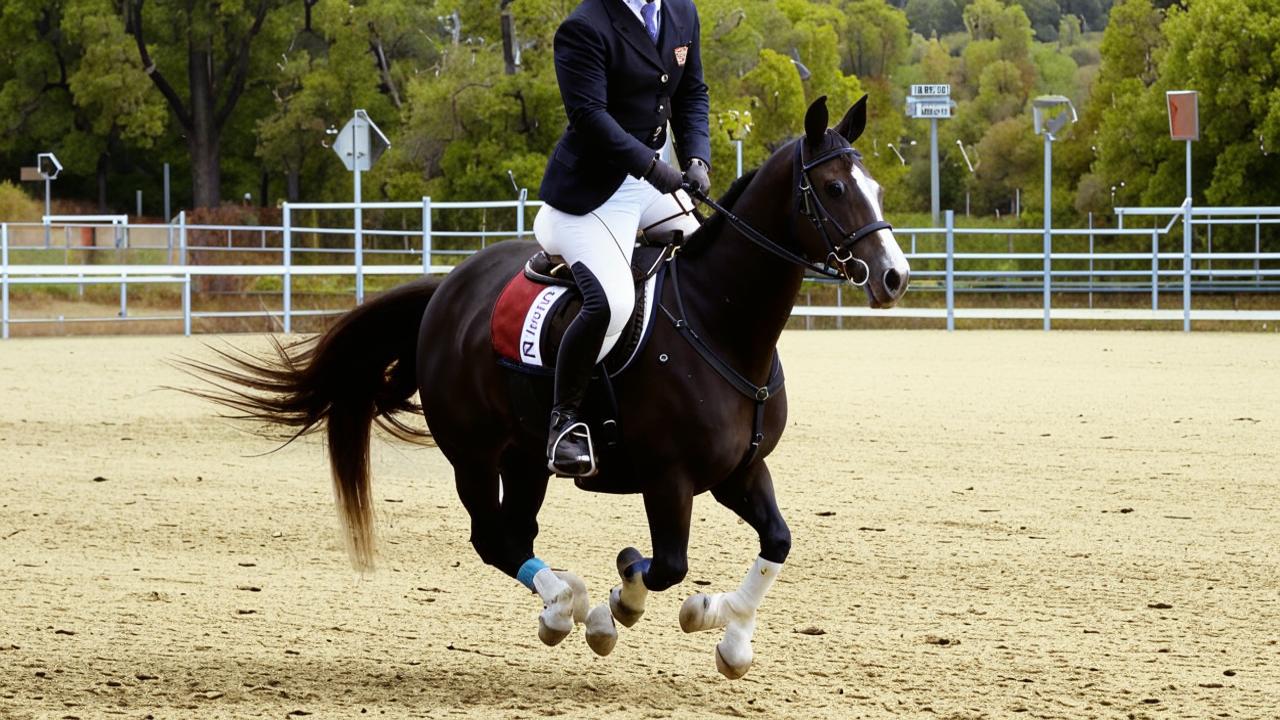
{"x": 1155, "y": 270}
{"x": 1186, "y": 264}
{"x": 1090, "y": 260}
{"x": 524, "y": 197}
{"x": 1257, "y": 249}
{"x": 186, "y": 283}
{"x": 4, "y": 281}
{"x": 840, "y": 305}
{"x": 287, "y": 244}
{"x": 951, "y": 268}
{"x": 426, "y": 236}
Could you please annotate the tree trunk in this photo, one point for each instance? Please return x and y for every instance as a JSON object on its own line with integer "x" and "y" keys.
{"x": 206, "y": 175}
{"x": 293, "y": 185}
{"x": 102, "y": 183}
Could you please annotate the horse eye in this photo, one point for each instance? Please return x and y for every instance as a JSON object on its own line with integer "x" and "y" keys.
{"x": 835, "y": 189}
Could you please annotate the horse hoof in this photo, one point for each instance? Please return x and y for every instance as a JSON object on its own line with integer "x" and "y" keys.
{"x": 693, "y": 613}
{"x": 602, "y": 635}
{"x": 625, "y": 615}
{"x": 581, "y": 601}
{"x": 732, "y": 670}
{"x": 549, "y": 635}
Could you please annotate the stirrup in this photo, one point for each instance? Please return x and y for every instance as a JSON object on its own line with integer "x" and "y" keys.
{"x": 564, "y": 459}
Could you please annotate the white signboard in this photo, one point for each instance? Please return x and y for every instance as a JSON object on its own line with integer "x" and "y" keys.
{"x": 360, "y": 143}
{"x": 931, "y": 91}
{"x": 931, "y": 110}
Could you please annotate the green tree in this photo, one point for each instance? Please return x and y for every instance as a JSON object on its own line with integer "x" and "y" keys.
{"x": 877, "y": 38}
{"x": 75, "y": 89}
{"x": 211, "y": 46}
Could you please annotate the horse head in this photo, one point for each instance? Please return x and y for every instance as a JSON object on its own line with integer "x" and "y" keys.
{"x": 837, "y": 193}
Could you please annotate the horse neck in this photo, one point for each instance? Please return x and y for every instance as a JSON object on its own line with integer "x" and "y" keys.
{"x": 737, "y": 295}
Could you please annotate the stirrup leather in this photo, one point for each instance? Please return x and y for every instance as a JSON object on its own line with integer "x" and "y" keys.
{"x": 577, "y": 430}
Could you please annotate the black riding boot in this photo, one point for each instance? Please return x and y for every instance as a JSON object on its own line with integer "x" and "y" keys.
{"x": 569, "y": 448}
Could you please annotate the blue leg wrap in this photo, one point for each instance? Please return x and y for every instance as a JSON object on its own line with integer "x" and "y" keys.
{"x": 637, "y": 568}
{"x": 528, "y": 570}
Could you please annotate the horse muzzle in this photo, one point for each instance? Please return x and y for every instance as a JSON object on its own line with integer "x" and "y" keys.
{"x": 889, "y": 273}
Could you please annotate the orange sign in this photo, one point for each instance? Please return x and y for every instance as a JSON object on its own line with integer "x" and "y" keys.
{"x": 31, "y": 174}
{"x": 1184, "y": 114}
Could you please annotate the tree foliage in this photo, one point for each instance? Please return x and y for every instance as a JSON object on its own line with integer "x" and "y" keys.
{"x": 242, "y": 95}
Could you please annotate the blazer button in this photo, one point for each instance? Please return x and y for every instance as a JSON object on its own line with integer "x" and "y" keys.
{"x": 665, "y": 78}
{"x": 661, "y": 108}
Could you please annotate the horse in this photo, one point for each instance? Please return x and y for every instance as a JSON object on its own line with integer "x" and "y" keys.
{"x": 700, "y": 409}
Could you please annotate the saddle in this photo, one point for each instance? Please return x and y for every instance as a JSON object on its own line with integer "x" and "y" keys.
{"x": 529, "y": 319}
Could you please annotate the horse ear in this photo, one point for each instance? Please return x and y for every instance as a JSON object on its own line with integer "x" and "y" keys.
{"x": 815, "y": 121}
{"x": 855, "y": 121}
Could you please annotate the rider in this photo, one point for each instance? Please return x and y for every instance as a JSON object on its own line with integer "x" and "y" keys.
{"x": 625, "y": 68}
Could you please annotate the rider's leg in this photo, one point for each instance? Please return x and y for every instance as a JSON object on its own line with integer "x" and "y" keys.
{"x": 598, "y": 248}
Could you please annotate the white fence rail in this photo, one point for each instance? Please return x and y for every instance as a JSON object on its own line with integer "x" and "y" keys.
{"x": 948, "y": 268}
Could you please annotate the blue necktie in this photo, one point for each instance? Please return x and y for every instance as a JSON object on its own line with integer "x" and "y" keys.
{"x": 649, "y": 12}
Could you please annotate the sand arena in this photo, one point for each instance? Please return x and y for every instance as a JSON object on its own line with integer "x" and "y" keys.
{"x": 986, "y": 524}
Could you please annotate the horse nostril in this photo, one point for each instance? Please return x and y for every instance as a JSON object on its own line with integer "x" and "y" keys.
{"x": 892, "y": 281}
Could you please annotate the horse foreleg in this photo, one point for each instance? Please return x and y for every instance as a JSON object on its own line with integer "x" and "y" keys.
{"x": 751, "y": 497}
{"x": 668, "y": 512}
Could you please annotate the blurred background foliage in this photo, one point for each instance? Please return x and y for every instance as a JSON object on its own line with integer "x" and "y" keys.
{"x": 238, "y": 95}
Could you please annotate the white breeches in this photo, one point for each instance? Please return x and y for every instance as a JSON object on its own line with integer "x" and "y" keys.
{"x": 604, "y": 239}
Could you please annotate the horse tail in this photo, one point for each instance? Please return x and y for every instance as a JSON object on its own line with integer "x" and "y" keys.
{"x": 360, "y": 371}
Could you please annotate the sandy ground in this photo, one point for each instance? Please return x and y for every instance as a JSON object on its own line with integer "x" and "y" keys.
{"x": 986, "y": 525}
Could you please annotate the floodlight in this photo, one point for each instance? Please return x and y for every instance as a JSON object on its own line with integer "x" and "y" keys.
{"x": 48, "y": 165}
{"x": 1052, "y": 113}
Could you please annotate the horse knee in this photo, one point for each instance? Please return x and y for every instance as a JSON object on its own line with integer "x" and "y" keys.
{"x": 665, "y": 572}
{"x": 775, "y": 543}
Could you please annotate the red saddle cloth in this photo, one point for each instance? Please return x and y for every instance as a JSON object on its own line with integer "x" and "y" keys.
{"x": 522, "y": 315}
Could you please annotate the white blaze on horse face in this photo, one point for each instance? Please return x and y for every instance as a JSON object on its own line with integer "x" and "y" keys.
{"x": 870, "y": 189}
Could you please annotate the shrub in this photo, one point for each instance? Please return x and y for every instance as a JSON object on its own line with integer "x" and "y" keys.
{"x": 16, "y": 205}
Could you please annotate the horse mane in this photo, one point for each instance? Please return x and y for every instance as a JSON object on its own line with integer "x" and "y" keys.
{"x": 715, "y": 224}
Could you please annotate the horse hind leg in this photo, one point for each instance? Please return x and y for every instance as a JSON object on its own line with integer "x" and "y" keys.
{"x": 564, "y": 594}
{"x": 751, "y": 498}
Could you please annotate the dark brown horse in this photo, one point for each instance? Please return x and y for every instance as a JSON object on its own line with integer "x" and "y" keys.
{"x": 700, "y": 409}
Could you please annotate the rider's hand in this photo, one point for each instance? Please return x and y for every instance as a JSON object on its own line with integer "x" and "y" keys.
{"x": 664, "y": 177}
{"x": 696, "y": 174}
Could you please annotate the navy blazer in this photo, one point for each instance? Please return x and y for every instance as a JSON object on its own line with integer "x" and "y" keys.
{"x": 619, "y": 91}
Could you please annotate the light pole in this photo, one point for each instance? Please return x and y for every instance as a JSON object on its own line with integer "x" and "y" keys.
{"x": 1052, "y": 114}
{"x": 970, "y": 165}
{"x": 737, "y": 125}
{"x": 48, "y": 166}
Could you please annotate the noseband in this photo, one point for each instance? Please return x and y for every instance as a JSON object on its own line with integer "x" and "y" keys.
{"x": 836, "y": 264}
{"x": 811, "y": 207}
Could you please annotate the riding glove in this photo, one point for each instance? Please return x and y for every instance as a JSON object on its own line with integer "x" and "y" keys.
{"x": 696, "y": 174}
{"x": 665, "y": 178}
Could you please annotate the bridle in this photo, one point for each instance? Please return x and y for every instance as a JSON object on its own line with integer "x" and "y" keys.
{"x": 840, "y": 254}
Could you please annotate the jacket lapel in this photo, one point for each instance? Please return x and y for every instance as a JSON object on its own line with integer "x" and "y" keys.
{"x": 631, "y": 30}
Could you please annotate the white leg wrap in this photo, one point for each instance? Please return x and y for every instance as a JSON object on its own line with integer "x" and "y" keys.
{"x": 581, "y": 600}
{"x": 736, "y": 612}
{"x": 626, "y": 601}
{"x": 556, "y": 619}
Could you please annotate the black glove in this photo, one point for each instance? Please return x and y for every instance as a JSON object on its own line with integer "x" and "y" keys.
{"x": 665, "y": 178}
{"x": 696, "y": 174}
